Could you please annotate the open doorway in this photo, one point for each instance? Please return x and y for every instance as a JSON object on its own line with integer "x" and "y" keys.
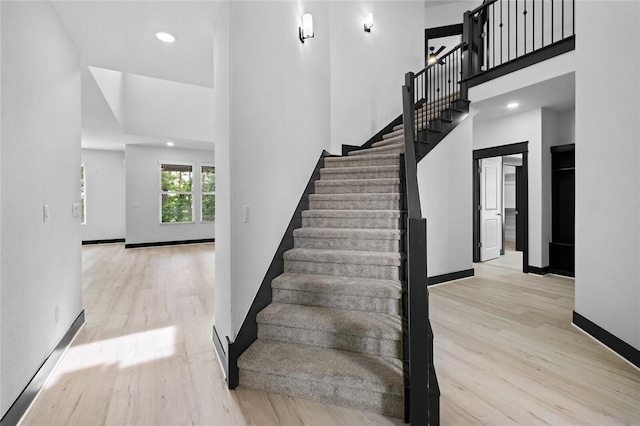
{"x": 500, "y": 200}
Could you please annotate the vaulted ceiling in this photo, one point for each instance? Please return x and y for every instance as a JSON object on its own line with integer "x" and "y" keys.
{"x": 120, "y": 36}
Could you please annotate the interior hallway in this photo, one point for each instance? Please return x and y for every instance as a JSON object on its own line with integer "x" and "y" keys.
{"x": 506, "y": 353}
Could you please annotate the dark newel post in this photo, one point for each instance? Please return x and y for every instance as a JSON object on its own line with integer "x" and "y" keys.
{"x": 468, "y": 58}
{"x": 420, "y": 405}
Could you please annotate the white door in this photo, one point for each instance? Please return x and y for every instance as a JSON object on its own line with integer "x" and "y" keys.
{"x": 490, "y": 208}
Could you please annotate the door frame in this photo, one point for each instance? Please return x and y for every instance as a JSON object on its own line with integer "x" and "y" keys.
{"x": 499, "y": 151}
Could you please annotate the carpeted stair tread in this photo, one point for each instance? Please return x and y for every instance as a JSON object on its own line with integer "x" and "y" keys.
{"x": 356, "y": 201}
{"x": 358, "y": 186}
{"x": 393, "y": 134}
{"x": 356, "y": 214}
{"x": 359, "y": 172}
{"x": 347, "y": 286}
{"x": 355, "y": 197}
{"x": 348, "y": 233}
{"x": 332, "y": 218}
{"x": 389, "y": 141}
{"x": 339, "y": 292}
{"x": 343, "y": 257}
{"x": 363, "y": 160}
{"x": 357, "y": 182}
{"x": 397, "y": 147}
{"x": 359, "y": 239}
{"x": 339, "y": 321}
{"x": 341, "y": 368}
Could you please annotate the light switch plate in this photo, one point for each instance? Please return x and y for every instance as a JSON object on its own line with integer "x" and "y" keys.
{"x": 247, "y": 216}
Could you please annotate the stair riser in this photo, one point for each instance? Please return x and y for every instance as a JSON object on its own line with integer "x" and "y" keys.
{"x": 381, "y": 403}
{"x": 347, "y": 244}
{"x": 391, "y": 204}
{"x": 345, "y": 222}
{"x": 377, "y": 174}
{"x": 337, "y": 301}
{"x": 358, "y": 189}
{"x": 326, "y": 339}
{"x": 383, "y": 272}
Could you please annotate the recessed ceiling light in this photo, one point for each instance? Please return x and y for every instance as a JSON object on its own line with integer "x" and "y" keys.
{"x": 513, "y": 105}
{"x": 170, "y": 144}
{"x": 166, "y": 37}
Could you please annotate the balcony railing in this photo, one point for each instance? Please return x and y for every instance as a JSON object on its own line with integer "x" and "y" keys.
{"x": 502, "y": 31}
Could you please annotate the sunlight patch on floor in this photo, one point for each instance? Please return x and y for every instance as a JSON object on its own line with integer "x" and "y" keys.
{"x": 124, "y": 351}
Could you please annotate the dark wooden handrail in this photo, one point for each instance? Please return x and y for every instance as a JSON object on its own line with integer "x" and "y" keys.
{"x": 484, "y": 5}
{"x": 441, "y": 59}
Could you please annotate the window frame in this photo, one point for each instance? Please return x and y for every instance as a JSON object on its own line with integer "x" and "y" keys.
{"x": 203, "y": 193}
{"x": 161, "y": 192}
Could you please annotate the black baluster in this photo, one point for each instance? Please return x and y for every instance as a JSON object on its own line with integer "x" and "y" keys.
{"x": 501, "y": 34}
{"x": 493, "y": 27}
{"x": 562, "y": 19}
{"x": 542, "y": 24}
{"x": 508, "y": 30}
{"x": 525, "y": 26}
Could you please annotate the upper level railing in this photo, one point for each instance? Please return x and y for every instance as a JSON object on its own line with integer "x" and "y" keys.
{"x": 434, "y": 88}
{"x": 500, "y": 31}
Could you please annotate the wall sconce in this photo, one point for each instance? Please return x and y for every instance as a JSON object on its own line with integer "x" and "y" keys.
{"x": 368, "y": 22}
{"x": 306, "y": 30}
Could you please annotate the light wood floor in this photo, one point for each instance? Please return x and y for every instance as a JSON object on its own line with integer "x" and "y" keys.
{"x": 145, "y": 355}
{"x": 505, "y": 354}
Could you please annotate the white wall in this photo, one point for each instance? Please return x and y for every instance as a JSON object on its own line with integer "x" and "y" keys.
{"x": 280, "y": 114}
{"x": 607, "y": 177}
{"x": 167, "y": 108}
{"x": 524, "y": 127}
{"x": 41, "y": 262}
{"x": 448, "y": 14}
{"x": 105, "y": 195}
{"x": 567, "y": 127}
{"x": 221, "y": 316}
{"x": 446, "y": 201}
{"x": 142, "y": 181}
{"x": 367, "y": 69}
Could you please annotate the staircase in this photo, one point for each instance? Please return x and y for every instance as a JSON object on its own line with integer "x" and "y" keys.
{"x": 333, "y": 332}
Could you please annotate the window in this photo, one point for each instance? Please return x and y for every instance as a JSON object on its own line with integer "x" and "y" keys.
{"x": 208, "y": 181}
{"x": 83, "y": 192}
{"x": 176, "y": 198}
